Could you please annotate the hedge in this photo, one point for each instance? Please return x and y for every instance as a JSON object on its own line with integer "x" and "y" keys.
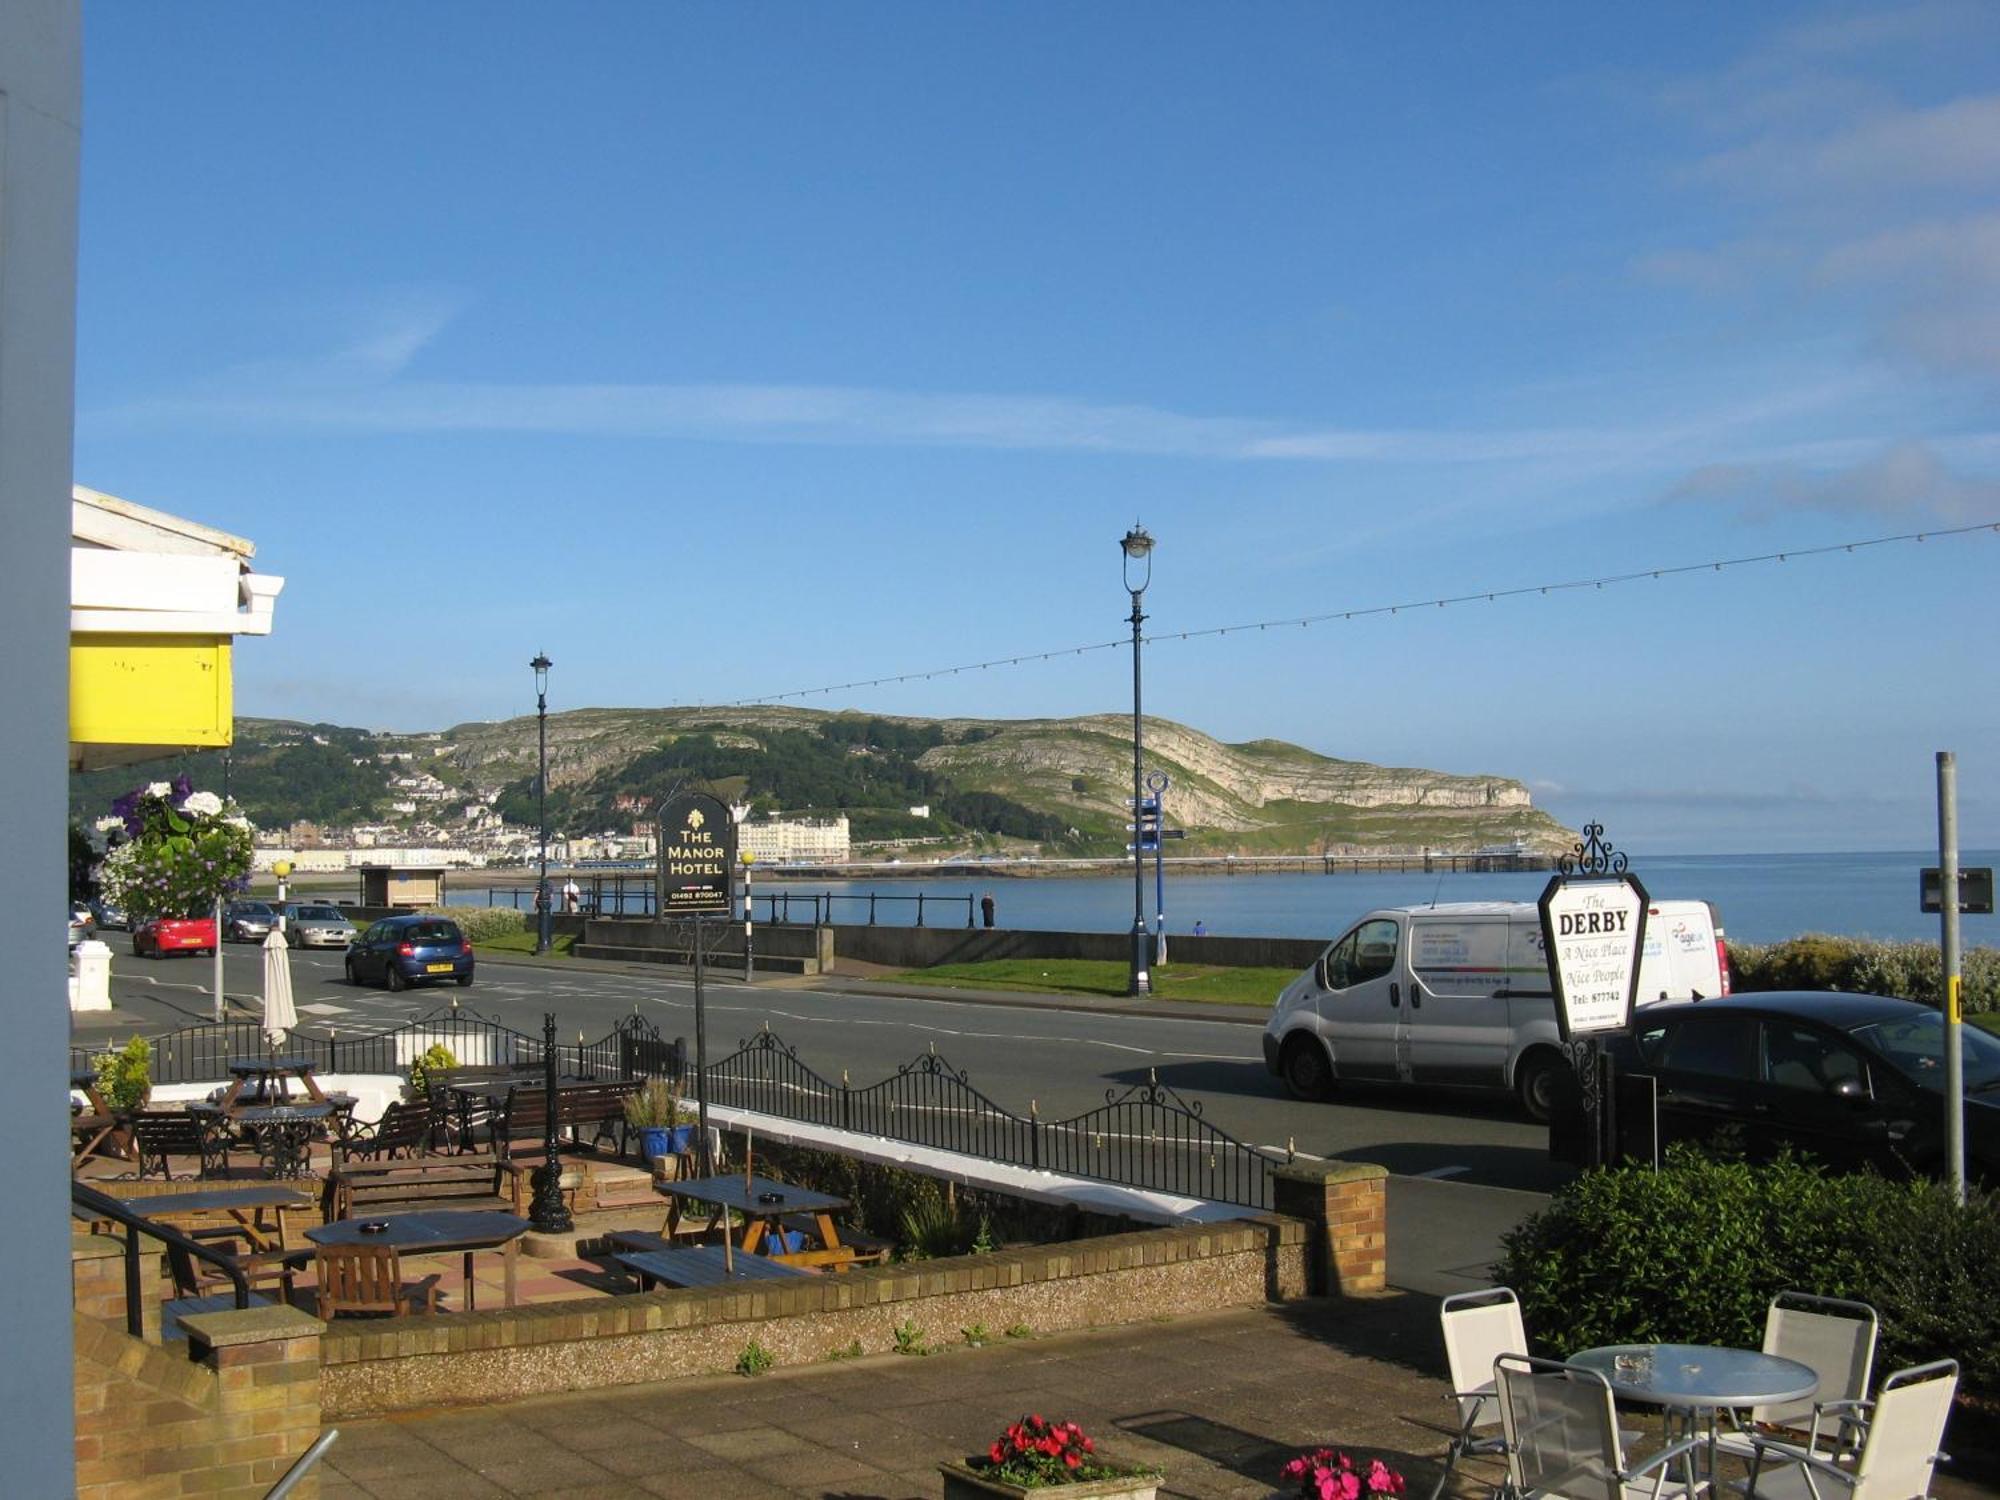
{"x": 1694, "y": 1253}
{"x": 479, "y": 923}
{"x": 1817, "y": 961}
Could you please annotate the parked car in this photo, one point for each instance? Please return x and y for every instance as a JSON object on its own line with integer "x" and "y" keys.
{"x": 248, "y": 921}
{"x": 316, "y": 924}
{"x": 401, "y": 951}
{"x": 1853, "y": 1080}
{"x": 106, "y": 916}
{"x": 80, "y": 923}
{"x": 159, "y": 936}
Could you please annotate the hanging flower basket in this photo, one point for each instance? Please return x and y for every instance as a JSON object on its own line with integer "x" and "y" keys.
{"x": 183, "y": 851}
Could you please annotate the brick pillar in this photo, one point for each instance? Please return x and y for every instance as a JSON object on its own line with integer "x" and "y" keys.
{"x": 1346, "y": 1203}
{"x": 266, "y": 1362}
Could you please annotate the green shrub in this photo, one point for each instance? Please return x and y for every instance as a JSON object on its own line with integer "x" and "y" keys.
{"x": 479, "y": 923}
{"x": 910, "y": 1338}
{"x": 435, "y": 1057}
{"x": 1695, "y": 1252}
{"x": 125, "y": 1077}
{"x": 755, "y": 1359}
{"x": 1913, "y": 971}
{"x": 932, "y": 1227}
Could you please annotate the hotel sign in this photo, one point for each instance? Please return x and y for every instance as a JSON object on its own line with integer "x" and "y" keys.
{"x": 697, "y": 852}
{"x": 1593, "y": 931}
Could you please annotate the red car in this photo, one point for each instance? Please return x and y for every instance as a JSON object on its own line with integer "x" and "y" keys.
{"x": 163, "y": 935}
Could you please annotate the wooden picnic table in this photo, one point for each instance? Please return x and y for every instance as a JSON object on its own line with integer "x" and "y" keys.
{"x": 762, "y": 1201}
{"x": 84, "y": 1081}
{"x": 438, "y": 1232}
{"x": 239, "y": 1210}
{"x": 273, "y": 1076}
{"x": 701, "y": 1265}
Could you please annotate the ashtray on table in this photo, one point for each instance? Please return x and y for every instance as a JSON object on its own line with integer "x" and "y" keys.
{"x": 373, "y": 1226}
{"x": 770, "y": 1197}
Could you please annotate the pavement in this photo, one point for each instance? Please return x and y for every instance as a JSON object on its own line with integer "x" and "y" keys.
{"x": 1218, "y": 1403}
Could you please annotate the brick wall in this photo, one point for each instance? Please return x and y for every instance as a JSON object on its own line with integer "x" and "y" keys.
{"x": 224, "y": 1414}
{"x": 501, "y": 1354}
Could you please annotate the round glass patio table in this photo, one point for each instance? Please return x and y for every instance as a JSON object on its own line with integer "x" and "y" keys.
{"x": 1701, "y": 1376}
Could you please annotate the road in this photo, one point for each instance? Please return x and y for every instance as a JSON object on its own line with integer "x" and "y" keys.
{"x": 1064, "y": 1061}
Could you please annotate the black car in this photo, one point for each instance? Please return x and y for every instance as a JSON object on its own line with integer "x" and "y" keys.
{"x": 1852, "y": 1080}
{"x": 401, "y": 951}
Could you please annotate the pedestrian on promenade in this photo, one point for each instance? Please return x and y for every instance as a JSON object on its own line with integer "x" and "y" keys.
{"x": 572, "y": 895}
{"x": 1199, "y": 929}
{"x": 986, "y": 908}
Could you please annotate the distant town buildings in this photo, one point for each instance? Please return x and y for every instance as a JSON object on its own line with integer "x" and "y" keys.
{"x": 778, "y": 839}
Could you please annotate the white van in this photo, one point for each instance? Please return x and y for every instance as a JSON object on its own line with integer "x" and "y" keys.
{"x": 1458, "y": 994}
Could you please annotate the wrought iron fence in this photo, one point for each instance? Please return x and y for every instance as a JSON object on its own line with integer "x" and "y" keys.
{"x": 201, "y": 1053}
{"x": 1146, "y": 1136}
{"x": 621, "y": 895}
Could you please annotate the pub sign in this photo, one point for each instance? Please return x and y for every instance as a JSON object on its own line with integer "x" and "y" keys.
{"x": 697, "y": 852}
{"x": 1592, "y": 932}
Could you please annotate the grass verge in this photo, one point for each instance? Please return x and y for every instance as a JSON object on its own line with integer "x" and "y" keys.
{"x": 1088, "y": 976}
{"x": 524, "y": 942}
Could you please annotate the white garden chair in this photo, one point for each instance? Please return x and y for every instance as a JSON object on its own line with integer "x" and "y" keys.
{"x": 1479, "y": 1327}
{"x": 1897, "y": 1458}
{"x": 1836, "y": 1340}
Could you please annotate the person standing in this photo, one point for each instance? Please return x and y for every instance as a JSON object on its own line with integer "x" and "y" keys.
{"x": 572, "y": 895}
{"x": 986, "y": 908}
{"x": 1199, "y": 929}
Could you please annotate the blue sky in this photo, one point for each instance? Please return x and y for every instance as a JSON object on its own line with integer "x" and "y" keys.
{"x": 723, "y": 351}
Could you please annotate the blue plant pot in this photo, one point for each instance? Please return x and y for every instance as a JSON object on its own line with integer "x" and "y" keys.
{"x": 665, "y": 1140}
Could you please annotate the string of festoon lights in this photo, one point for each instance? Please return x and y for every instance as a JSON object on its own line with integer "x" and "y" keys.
{"x": 1480, "y": 596}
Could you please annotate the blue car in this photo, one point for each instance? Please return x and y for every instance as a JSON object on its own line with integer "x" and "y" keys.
{"x": 402, "y": 951}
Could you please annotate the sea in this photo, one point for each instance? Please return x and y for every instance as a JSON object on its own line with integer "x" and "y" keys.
{"x": 1761, "y": 898}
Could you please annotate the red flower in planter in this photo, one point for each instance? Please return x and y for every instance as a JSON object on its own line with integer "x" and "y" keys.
{"x": 1033, "y": 1451}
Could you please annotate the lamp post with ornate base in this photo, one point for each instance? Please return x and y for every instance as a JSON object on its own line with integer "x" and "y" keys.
{"x": 547, "y": 1213}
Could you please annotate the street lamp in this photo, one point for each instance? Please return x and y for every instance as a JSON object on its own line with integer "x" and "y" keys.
{"x": 541, "y": 664}
{"x": 1138, "y": 548}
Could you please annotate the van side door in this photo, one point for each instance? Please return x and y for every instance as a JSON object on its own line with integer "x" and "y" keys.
{"x": 1361, "y": 1006}
{"x": 1455, "y": 1010}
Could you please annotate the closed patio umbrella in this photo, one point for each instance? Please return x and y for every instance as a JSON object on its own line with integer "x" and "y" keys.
{"x": 280, "y": 1015}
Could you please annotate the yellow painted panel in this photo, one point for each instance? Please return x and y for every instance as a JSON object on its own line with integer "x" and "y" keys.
{"x": 154, "y": 690}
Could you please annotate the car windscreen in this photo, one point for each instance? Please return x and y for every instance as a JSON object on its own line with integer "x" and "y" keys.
{"x": 430, "y": 932}
{"x": 251, "y": 909}
{"x": 1915, "y": 1044}
{"x": 321, "y": 914}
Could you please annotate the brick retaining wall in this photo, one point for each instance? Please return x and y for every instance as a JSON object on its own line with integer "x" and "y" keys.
{"x": 503, "y": 1354}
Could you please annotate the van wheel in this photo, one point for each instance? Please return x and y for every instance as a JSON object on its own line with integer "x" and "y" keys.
{"x": 1535, "y": 1084}
{"x": 1307, "y": 1073}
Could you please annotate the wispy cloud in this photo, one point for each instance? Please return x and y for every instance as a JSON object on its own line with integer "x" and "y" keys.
{"x": 329, "y": 397}
{"x": 1905, "y": 481}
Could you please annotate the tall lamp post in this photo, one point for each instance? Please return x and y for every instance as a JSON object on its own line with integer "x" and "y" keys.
{"x": 1138, "y": 547}
{"x": 541, "y": 664}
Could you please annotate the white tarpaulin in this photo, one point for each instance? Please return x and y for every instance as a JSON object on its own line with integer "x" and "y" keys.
{"x": 280, "y": 1015}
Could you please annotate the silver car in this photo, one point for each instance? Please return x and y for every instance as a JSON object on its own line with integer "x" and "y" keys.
{"x": 314, "y": 924}
{"x": 247, "y": 921}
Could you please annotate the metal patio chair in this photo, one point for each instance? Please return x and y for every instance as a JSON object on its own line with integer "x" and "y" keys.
{"x": 1560, "y": 1426}
{"x": 1897, "y": 1457}
{"x": 1836, "y": 1340}
{"x": 1478, "y": 1328}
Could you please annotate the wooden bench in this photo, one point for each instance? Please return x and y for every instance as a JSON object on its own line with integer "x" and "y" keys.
{"x": 352, "y": 1186}
{"x": 406, "y": 1129}
{"x": 598, "y": 1107}
{"x": 865, "y": 1249}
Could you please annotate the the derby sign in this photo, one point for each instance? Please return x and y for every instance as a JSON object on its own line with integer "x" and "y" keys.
{"x": 1592, "y": 930}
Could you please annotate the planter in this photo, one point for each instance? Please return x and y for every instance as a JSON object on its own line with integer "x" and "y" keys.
{"x": 962, "y": 1483}
{"x": 665, "y": 1140}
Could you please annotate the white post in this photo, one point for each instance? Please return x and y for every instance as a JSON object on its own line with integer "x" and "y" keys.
{"x": 219, "y": 1003}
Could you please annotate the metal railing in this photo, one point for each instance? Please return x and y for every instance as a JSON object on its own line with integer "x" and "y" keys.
{"x": 204, "y": 1052}
{"x": 633, "y": 896}
{"x": 87, "y": 1202}
{"x": 1146, "y": 1136}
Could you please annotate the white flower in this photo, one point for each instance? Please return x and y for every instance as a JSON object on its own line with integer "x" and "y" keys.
{"x": 203, "y": 804}
{"x": 110, "y": 824}
{"x": 239, "y": 821}
{"x": 158, "y": 789}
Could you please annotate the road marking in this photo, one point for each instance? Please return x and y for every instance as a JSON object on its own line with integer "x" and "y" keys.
{"x": 1439, "y": 1173}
